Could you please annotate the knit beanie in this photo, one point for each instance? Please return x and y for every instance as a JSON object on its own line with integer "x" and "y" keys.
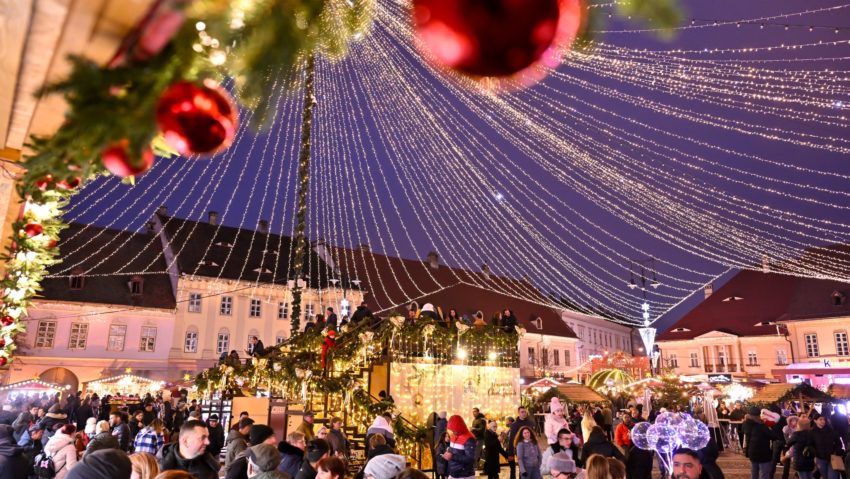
{"x": 259, "y": 433}
{"x": 102, "y": 464}
{"x": 265, "y": 456}
{"x": 386, "y": 466}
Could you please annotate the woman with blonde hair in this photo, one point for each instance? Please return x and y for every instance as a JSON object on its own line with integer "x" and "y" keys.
{"x": 596, "y": 467}
{"x": 587, "y": 423}
{"x": 144, "y": 466}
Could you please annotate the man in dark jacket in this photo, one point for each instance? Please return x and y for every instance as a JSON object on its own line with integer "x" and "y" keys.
{"x": 523, "y": 420}
{"x": 479, "y": 425}
{"x": 105, "y": 464}
{"x": 260, "y": 434}
{"x": 758, "y": 437}
{"x": 120, "y": 430}
{"x": 316, "y": 450}
{"x": 85, "y": 412}
{"x": 598, "y": 443}
{"x": 292, "y": 453}
{"x": 826, "y": 443}
{"x": 13, "y": 462}
{"x": 216, "y": 435}
{"x": 492, "y": 450}
{"x": 190, "y": 452}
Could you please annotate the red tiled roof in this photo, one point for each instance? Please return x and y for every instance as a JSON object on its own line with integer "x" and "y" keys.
{"x": 763, "y": 297}
{"x": 390, "y": 282}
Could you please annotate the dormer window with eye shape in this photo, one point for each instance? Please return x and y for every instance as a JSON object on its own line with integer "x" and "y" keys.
{"x": 680, "y": 330}
{"x": 838, "y": 298}
{"x": 136, "y": 285}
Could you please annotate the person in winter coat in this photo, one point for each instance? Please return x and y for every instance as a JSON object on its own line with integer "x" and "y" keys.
{"x": 106, "y": 464}
{"x": 120, "y": 430}
{"x": 825, "y": 443}
{"x": 381, "y": 425}
{"x": 23, "y": 422}
{"x": 441, "y": 466}
{"x": 528, "y": 455}
{"x": 85, "y": 412}
{"x": 440, "y": 426}
{"x": 317, "y": 449}
{"x": 787, "y": 432}
{"x": 622, "y": 435}
{"x": 555, "y": 421}
{"x": 260, "y": 434}
{"x": 216, "y": 435}
{"x": 190, "y": 452}
{"x": 479, "y": 425}
{"x": 708, "y": 458}
{"x": 493, "y": 450}
{"x": 758, "y": 450}
{"x": 598, "y": 443}
{"x": 377, "y": 445}
{"x": 292, "y": 453}
{"x": 523, "y": 420}
{"x": 13, "y": 462}
{"x": 587, "y": 424}
{"x": 567, "y": 443}
{"x": 103, "y": 439}
{"x": 802, "y": 457}
{"x": 50, "y": 421}
{"x": 509, "y": 321}
{"x": 237, "y": 441}
{"x": 150, "y": 439}
{"x": 263, "y": 461}
{"x": 306, "y": 426}
{"x": 461, "y": 453}
{"x": 336, "y": 438}
{"x": 387, "y": 466}
{"x": 61, "y": 448}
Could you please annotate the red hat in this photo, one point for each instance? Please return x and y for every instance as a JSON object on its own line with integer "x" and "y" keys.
{"x": 332, "y": 333}
{"x": 458, "y": 427}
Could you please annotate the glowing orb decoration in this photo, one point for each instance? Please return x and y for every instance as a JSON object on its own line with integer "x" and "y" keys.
{"x": 693, "y": 434}
{"x": 662, "y": 438}
{"x": 638, "y": 435}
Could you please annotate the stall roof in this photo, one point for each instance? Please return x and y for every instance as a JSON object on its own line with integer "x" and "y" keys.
{"x": 839, "y": 391}
{"x": 32, "y": 384}
{"x": 784, "y": 392}
{"x": 580, "y": 393}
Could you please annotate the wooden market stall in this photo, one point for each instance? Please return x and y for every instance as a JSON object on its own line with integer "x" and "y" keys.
{"x": 28, "y": 390}
{"x": 839, "y": 391}
{"x": 579, "y": 393}
{"x": 802, "y": 393}
{"x": 123, "y": 386}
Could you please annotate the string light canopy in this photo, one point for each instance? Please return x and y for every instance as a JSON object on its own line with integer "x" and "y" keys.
{"x": 712, "y": 153}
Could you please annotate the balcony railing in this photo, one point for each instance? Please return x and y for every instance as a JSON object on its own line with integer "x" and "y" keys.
{"x": 733, "y": 368}
{"x": 721, "y": 368}
{"x": 709, "y": 368}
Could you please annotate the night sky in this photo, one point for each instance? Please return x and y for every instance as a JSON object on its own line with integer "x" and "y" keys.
{"x": 369, "y": 148}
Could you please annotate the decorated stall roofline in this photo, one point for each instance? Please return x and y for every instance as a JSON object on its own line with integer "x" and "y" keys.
{"x": 21, "y": 384}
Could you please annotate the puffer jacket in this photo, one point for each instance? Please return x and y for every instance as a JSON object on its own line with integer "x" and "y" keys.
{"x": 61, "y": 448}
{"x": 204, "y": 466}
{"x": 598, "y": 443}
{"x": 758, "y": 437}
{"x": 102, "y": 440}
{"x": 802, "y": 460}
{"x": 462, "y": 463}
{"x": 528, "y": 456}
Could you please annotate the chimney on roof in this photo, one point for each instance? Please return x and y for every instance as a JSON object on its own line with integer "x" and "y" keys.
{"x": 485, "y": 270}
{"x": 708, "y": 290}
{"x": 163, "y": 210}
{"x": 765, "y": 263}
{"x": 365, "y": 247}
{"x": 263, "y": 226}
{"x": 433, "y": 259}
{"x": 212, "y": 218}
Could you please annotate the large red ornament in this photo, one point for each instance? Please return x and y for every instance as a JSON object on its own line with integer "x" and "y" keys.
{"x": 33, "y": 229}
{"x": 69, "y": 183}
{"x": 503, "y": 43}
{"x": 44, "y": 182}
{"x": 116, "y": 159}
{"x": 7, "y": 320}
{"x": 196, "y": 119}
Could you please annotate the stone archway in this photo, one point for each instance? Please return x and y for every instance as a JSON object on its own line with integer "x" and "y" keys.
{"x": 61, "y": 377}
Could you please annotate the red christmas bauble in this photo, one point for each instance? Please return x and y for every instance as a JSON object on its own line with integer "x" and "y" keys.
{"x": 504, "y": 43}
{"x": 33, "y": 229}
{"x": 196, "y": 119}
{"x": 116, "y": 159}
{"x": 69, "y": 183}
{"x": 7, "y": 320}
{"x": 51, "y": 243}
{"x": 2, "y": 343}
{"x": 44, "y": 182}
{"x": 3, "y": 361}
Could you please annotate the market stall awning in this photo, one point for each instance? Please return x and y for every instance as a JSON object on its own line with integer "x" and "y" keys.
{"x": 772, "y": 393}
{"x": 123, "y": 384}
{"x": 545, "y": 383}
{"x": 839, "y": 391}
{"x": 580, "y": 393}
{"x": 35, "y": 385}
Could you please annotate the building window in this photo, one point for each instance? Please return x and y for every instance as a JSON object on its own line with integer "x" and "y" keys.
{"x": 280, "y": 338}
{"x": 694, "y": 360}
{"x": 46, "y": 334}
{"x": 191, "y": 343}
{"x": 531, "y": 356}
{"x": 841, "y": 347}
{"x": 781, "y": 357}
{"x": 79, "y": 336}
{"x": 308, "y": 310}
{"x": 77, "y": 281}
{"x": 566, "y": 357}
{"x": 812, "y": 345}
{"x": 673, "y": 360}
{"x": 222, "y": 343}
{"x": 117, "y": 333}
{"x": 226, "y": 306}
{"x": 556, "y": 357}
{"x": 721, "y": 358}
{"x": 544, "y": 355}
{"x": 194, "y": 302}
{"x": 147, "y": 343}
{"x": 282, "y": 310}
{"x": 752, "y": 359}
{"x": 135, "y": 285}
{"x": 256, "y": 308}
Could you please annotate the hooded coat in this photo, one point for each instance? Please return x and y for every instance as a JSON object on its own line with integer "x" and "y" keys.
{"x": 380, "y": 426}
{"x": 13, "y": 462}
{"x": 204, "y": 466}
{"x": 598, "y": 443}
{"x": 291, "y": 458}
{"x": 61, "y": 448}
{"x": 462, "y": 448}
{"x": 236, "y": 443}
{"x": 758, "y": 440}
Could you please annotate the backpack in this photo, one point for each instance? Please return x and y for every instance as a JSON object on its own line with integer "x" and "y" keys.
{"x": 43, "y": 466}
